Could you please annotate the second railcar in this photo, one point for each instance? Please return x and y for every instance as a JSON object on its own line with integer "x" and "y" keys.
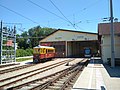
{"x": 87, "y": 52}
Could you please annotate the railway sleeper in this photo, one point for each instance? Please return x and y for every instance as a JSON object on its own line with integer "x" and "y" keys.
{"x": 32, "y": 75}
{"x": 30, "y": 86}
{"x": 68, "y": 88}
{"x": 64, "y": 79}
{"x": 37, "y": 81}
{"x": 63, "y": 82}
{"x": 59, "y": 81}
{"x": 71, "y": 83}
{"x": 34, "y": 84}
{"x": 58, "y": 84}
{"x": 14, "y": 69}
{"x": 68, "y": 82}
{"x": 54, "y": 87}
{"x": 47, "y": 79}
{"x": 25, "y": 88}
{"x": 36, "y": 70}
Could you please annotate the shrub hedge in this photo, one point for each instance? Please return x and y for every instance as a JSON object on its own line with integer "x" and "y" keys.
{"x": 22, "y": 52}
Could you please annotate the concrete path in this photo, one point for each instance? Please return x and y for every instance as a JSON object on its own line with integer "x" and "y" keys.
{"x": 97, "y": 76}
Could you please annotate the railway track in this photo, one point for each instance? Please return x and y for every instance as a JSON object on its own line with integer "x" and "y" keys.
{"x": 15, "y": 68}
{"x": 24, "y": 77}
{"x": 8, "y": 65}
{"x": 55, "y": 81}
{"x": 64, "y": 81}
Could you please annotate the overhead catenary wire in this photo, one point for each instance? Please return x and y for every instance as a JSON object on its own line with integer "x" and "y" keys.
{"x": 97, "y": 19}
{"x": 62, "y": 14}
{"x": 18, "y": 14}
{"x": 74, "y": 24}
{"x": 66, "y": 19}
{"x": 29, "y": 37}
{"x": 46, "y": 10}
{"x": 85, "y": 8}
{"x": 50, "y": 12}
{"x": 90, "y": 5}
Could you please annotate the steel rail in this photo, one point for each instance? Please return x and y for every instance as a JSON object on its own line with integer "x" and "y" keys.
{"x": 48, "y": 83}
{"x": 45, "y": 85}
{"x": 53, "y": 65}
{"x": 15, "y": 68}
{"x": 7, "y": 65}
{"x": 37, "y": 80}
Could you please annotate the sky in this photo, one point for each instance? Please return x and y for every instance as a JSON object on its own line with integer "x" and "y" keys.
{"x": 78, "y": 15}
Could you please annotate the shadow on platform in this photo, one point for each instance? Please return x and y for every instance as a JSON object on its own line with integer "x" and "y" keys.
{"x": 113, "y": 72}
{"x": 83, "y": 89}
{"x": 102, "y": 88}
{"x": 96, "y": 61}
{"x": 29, "y": 62}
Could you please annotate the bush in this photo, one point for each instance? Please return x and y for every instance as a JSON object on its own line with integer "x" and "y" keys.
{"x": 22, "y": 52}
{"x": 23, "y": 59}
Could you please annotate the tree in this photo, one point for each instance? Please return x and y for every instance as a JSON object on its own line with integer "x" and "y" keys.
{"x": 31, "y": 38}
{"x": 22, "y": 40}
{"x": 39, "y": 33}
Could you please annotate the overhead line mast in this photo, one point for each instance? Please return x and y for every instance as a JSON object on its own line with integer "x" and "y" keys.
{"x": 112, "y": 36}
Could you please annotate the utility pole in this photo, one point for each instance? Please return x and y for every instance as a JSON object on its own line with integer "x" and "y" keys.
{"x": 14, "y": 43}
{"x": 112, "y": 36}
{"x": 1, "y": 37}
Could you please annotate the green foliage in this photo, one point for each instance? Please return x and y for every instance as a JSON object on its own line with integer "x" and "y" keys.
{"x": 22, "y": 52}
{"x": 31, "y": 38}
{"x": 23, "y": 59}
{"x": 39, "y": 33}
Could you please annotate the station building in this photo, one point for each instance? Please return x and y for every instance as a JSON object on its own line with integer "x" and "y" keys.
{"x": 70, "y": 43}
{"x": 105, "y": 41}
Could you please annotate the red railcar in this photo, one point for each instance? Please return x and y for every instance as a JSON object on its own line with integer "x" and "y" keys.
{"x": 42, "y": 53}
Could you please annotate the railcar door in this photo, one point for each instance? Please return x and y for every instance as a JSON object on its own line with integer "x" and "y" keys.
{"x": 42, "y": 53}
{"x": 36, "y": 53}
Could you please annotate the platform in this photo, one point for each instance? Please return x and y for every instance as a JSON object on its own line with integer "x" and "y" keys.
{"x": 97, "y": 76}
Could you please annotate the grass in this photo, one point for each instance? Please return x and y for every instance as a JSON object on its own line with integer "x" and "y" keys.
{"x": 23, "y": 59}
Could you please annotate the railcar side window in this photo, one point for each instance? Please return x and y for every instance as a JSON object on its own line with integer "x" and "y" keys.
{"x": 44, "y": 50}
{"x": 41, "y": 51}
{"x": 38, "y": 50}
{"x": 49, "y": 51}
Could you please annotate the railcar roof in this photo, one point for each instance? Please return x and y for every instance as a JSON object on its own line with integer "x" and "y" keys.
{"x": 44, "y": 47}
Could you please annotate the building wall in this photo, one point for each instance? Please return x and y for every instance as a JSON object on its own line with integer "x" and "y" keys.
{"x": 70, "y": 36}
{"x": 67, "y": 43}
{"x": 106, "y": 47}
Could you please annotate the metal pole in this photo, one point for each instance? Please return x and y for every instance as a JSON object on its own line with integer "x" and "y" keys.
{"x": 14, "y": 43}
{"x": 66, "y": 48}
{"x": 112, "y": 36}
{"x": 1, "y": 43}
